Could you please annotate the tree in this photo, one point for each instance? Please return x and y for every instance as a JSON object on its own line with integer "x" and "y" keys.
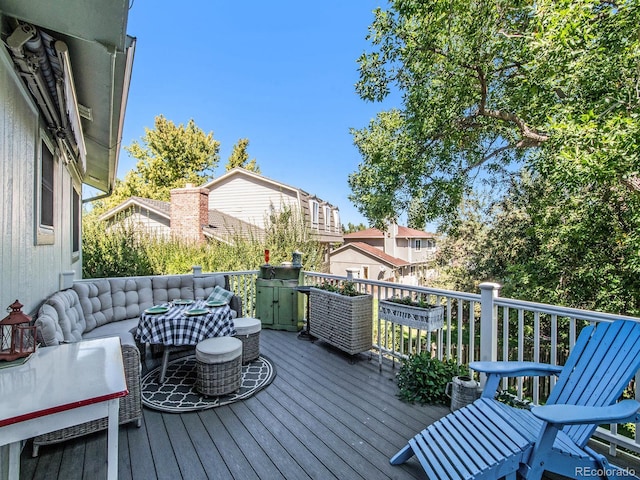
{"x": 489, "y": 87}
{"x": 240, "y": 158}
{"x": 351, "y": 228}
{"x": 544, "y": 94}
{"x": 169, "y": 156}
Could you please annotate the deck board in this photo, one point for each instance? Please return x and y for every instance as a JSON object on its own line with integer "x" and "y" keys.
{"x": 326, "y": 415}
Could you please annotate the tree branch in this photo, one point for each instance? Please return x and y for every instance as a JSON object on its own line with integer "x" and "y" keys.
{"x": 531, "y": 138}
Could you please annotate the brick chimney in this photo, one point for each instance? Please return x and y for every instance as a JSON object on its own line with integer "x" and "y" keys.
{"x": 189, "y": 213}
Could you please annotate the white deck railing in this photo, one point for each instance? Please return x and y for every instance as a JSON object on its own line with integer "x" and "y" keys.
{"x": 480, "y": 326}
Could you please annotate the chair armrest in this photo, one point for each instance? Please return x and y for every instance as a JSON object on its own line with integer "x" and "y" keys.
{"x": 495, "y": 371}
{"x": 236, "y": 304}
{"x": 516, "y": 369}
{"x": 621, "y": 412}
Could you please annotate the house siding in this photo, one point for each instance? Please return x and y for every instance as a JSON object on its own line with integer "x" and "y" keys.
{"x": 30, "y": 272}
{"x": 144, "y": 220}
{"x": 245, "y": 199}
{"x": 369, "y": 267}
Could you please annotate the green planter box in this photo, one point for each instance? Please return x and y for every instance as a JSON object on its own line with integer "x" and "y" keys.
{"x": 344, "y": 322}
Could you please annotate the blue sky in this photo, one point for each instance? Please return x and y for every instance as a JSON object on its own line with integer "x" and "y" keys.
{"x": 279, "y": 73}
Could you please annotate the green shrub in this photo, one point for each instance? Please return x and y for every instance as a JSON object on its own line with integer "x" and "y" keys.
{"x": 122, "y": 250}
{"x": 423, "y": 379}
{"x": 346, "y": 288}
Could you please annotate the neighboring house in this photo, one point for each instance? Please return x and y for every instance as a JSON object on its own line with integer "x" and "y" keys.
{"x": 65, "y": 69}
{"x": 237, "y": 203}
{"x": 400, "y": 254}
{"x": 252, "y": 197}
{"x": 154, "y": 217}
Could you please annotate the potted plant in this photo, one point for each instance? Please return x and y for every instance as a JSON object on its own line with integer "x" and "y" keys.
{"x": 341, "y": 315}
{"x": 424, "y": 379}
{"x": 415, "y": 313}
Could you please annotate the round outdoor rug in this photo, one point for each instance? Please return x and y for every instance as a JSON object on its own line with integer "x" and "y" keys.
{"x": 178, "y": 393}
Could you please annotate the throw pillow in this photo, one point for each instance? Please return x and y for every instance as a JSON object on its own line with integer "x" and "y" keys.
{"x": 219, "y": 294}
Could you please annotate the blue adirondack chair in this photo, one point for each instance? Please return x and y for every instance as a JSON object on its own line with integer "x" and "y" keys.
{"x": 489, "y": 440}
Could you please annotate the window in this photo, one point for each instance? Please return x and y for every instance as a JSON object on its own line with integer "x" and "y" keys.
{"x": 314, "y": 208}
{"x": 327, "y": 218}
{"x": 45, "y": 189}
{"x": 418, "y": 245}
{"x": 46, "y": 186}
{"x": 75, "y": 221}
{"x": 336, "y": 221}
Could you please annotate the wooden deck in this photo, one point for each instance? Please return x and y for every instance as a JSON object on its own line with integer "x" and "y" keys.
{"x": 326, "y": 415}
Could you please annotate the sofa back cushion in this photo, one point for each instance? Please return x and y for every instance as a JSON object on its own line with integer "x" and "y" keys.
{"x": 130, "y": 297}
{"x": 172, "y": 287}
{"x": 204, "y": 286}
{"x": 60, "y": 318}
{"x": 96, "y": 301}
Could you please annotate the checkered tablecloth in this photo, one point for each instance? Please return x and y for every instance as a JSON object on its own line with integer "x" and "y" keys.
{"x": 176, "y": 328}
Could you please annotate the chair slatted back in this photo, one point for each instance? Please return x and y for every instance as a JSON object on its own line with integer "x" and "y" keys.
{"x": 602, "y": 363}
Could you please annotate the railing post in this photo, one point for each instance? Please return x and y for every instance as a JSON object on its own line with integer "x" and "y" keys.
{"x": 488, "y": 322}
{"x": 197, "y": 271}
{"x": 350, "y": 273}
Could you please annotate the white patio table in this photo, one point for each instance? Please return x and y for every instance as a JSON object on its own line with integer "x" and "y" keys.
{"x": 58, "y": 387}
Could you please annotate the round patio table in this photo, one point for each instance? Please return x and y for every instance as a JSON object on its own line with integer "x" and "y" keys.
{"x": 178, "y": 328}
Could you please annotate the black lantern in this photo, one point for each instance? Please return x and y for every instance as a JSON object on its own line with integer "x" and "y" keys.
{"x": 17, "y": 335}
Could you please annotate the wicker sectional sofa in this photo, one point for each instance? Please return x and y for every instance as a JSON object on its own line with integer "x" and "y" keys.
{"x": 111, "y": 307}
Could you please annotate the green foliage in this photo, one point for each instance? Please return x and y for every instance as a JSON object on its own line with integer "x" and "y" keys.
{"x": 348, "y": 289}
{"x": 169, "y": 156}
{"x": 423, "y": 379}
{"x": 121, "y": 251}
{"x": 413, "y": 302}
{"x": 351, "y": 228}
{"x": 511, "y": 399}
{"x": 240, "y": 158}
{"x": 540, "y": 243}
{"x": 286, "y": 232}
{"x": 492, "y": 90}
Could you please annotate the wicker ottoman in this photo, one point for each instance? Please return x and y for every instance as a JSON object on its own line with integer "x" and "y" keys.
{"x": 219, "y": 366}
{"x": 248, "y": 330}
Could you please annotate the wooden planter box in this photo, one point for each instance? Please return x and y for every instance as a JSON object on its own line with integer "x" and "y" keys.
{"x": 344, "y": 322}
{"x": 414, "y": 317}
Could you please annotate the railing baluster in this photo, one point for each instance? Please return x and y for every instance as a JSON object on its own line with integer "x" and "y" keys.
{"x": 505, "y": 342}
{"x": 536, "y": 355}
{"x": 520, "y": 348}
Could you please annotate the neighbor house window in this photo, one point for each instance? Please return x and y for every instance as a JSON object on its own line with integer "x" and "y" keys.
{"x": 336, "y": 221}
{"x": 418, "y": 245}
{"x": 314, "y": 208}
{"x": 45, "y": 194}
{"x": 327, "y": 218}
{"x": 75, "y": 221}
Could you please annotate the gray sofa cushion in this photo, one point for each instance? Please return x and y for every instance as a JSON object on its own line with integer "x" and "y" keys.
{"x": 60, "y": 319}
{"x": 96, "y": 301}
{"x": 203, "y": 286}
{"x": 120, "y": 329}
{"x": 130, "y": 297}
{"x": 172, "y": 287}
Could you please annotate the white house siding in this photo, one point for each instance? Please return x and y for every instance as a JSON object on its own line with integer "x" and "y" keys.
{"x": 144, "y": 221}
{"x": 29, "y": 272}
{"x": 245, "y": 199}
